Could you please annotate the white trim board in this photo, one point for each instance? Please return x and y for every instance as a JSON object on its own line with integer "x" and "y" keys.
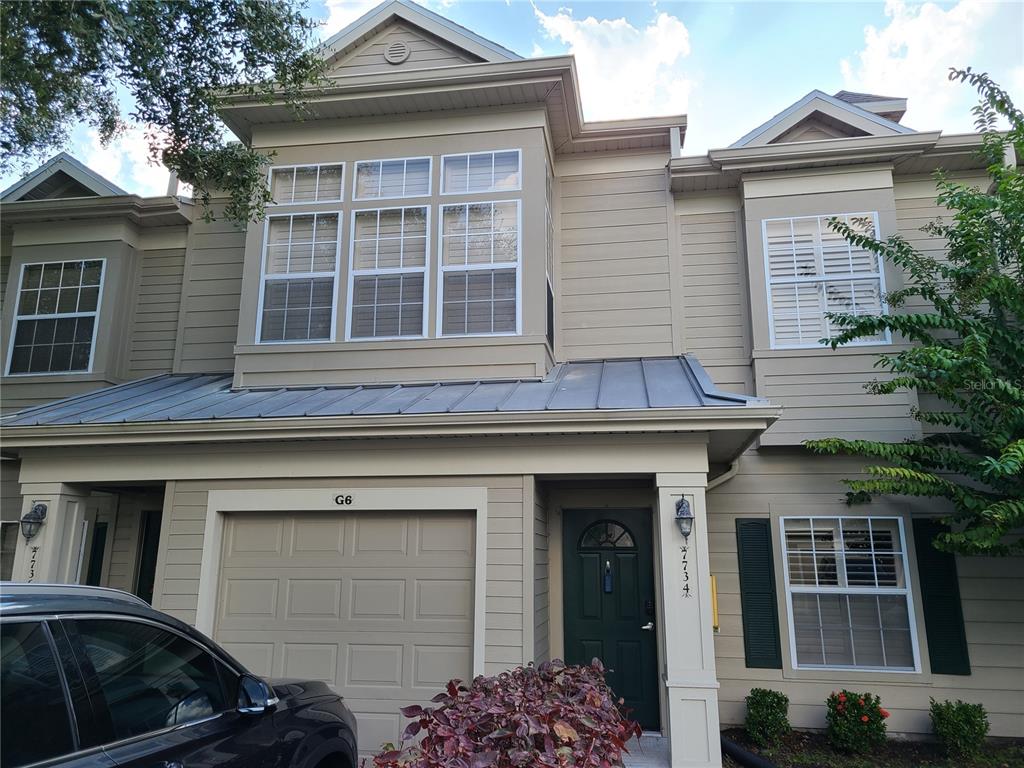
{"x": 224, "y": 502}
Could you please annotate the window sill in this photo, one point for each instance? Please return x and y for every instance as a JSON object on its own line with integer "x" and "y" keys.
{"x": 839, "y": 676}
{"x": 28, "y": 378}
{"x": 853, "y": 349}
{"x": 396, "y": 344}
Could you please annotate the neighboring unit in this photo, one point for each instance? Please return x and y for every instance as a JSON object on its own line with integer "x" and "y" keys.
{"x": 437, "y": 414}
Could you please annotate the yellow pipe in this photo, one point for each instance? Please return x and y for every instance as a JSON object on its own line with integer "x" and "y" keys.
{"x": 714, "y": 603}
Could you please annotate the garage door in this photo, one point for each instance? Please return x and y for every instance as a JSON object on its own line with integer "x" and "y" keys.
{"x": 379, "y": 605}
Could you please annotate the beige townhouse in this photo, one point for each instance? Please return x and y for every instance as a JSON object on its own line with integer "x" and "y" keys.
{"x": 491, "y": 384}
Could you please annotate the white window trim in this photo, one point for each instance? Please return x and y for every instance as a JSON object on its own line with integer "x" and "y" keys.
{"x": 352, "y": 275}
{"x": 318, "y": 166}
{"x": 299, "y": 276}
{"x": 480, "y": 267}
{"x": 769, "y": 282}
{"x": 430, "y": 179}
{"x": 906, "y": 591}
{"x": 490, "y": 191}
{"x": 95, "y": 314}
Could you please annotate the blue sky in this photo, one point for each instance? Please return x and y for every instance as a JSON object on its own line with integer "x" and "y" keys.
{"x": 728, "y": 65}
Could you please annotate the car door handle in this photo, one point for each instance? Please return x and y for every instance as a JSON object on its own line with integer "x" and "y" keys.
{"x": 648, "y": 626}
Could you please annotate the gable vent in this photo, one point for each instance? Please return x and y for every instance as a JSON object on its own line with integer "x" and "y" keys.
{"x": 397, "y": 52}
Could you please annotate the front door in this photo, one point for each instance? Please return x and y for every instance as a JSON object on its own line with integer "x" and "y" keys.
{"x": 609, "y": 602}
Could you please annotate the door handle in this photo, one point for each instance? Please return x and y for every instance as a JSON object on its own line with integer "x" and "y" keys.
{"x": 648, "y": 626}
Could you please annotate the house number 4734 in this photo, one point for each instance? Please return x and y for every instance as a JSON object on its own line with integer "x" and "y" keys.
{"x": 343, "y": 499}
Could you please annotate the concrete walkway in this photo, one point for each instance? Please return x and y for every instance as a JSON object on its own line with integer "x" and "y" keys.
{"x": 651, "y": 752}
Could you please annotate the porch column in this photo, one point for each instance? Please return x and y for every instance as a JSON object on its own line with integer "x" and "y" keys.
{"x": 53, "y": 555}
{"x": 689, "y": 675}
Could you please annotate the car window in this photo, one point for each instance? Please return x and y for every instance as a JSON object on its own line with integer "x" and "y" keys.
{"x": 31, "y": 694}
{"x": 150, "y": 678}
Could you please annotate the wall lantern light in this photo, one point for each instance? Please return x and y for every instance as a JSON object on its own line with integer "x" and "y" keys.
{"x": 32, "y": 521}
{"x": 684, "y": 517}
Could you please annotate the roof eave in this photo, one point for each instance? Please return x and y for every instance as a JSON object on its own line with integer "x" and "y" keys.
{"x": 144, "y": 211}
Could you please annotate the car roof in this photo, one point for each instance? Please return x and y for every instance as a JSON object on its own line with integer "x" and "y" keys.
{"x": 19, "y": 599}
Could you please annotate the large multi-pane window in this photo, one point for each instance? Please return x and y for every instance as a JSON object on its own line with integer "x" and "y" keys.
{"x": 812, "y": 270}
{"x": 848, "y": 593}
{"x": 291, "y": 185}
{"x": 388, "y": 272}
{"x": 481, "y": 172}
{"x": 391, "y": 179}
{"x": 300, "y": 268}
{"x": 480, "y": 261}
{"x": 55, "y": 323}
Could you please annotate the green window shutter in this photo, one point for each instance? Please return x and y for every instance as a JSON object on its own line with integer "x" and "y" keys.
{"x": 940, "y": 602}
{"x": 758, "y": 603}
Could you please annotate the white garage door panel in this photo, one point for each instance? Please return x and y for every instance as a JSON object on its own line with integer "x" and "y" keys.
{"x": 379, "y": 605}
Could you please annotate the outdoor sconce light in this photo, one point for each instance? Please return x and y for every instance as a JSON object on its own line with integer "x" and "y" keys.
{"x": 684, "y": 517}
{"x": 33, "y": 521}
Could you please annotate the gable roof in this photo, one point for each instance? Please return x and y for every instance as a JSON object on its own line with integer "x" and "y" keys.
{"x": 377, "y": 18}
{"x": 65, "y": 167}
{"x": 818, "y": 101}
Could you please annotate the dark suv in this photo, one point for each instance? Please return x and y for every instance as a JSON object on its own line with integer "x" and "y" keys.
{"x": 95, "y": 677}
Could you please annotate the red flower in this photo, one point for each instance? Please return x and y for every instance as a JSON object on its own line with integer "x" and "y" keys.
{"x": 863, "y": 718}
{"x": 861, "y": 702}
{"x": 885, "y": 713}
{"x": 842, "y": 697}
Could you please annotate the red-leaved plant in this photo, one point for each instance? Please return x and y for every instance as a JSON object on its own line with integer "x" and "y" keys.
{"x": 549, "y": 715}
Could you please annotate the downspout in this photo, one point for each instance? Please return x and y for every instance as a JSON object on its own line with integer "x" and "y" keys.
{"x": 729, "y": 474}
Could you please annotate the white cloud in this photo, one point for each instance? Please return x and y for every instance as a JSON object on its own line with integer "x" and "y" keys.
{"x": 625, "y": 71}
{"x": 911, "y": 57}
{"x": 125, "y": 161}
{"x": 341, "y": 13}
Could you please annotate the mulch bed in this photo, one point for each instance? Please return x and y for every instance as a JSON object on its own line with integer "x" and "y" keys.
{"x": 803, "y": 749}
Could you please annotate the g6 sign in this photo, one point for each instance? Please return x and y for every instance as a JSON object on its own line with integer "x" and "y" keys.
{"x": 343, "y": 499}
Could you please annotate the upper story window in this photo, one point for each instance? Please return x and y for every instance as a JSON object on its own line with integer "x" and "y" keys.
{"x": 848, "y": 592}
{"x": 298, "y": 276}
{"x": 55, "y": 323}
{"x": 383, "y": 179}
{"x": 388, "y": 273}
{"x": 480, "y": 265}
{"x": 291, "y": 185}
{"x": 812, "y": 270}
{"x": 481, "y": 172}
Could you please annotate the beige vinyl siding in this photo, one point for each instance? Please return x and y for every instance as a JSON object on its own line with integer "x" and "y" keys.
{"x": 615, "y": 281}
{"x": 208, "y": 318}
{"x": 541, "y": 623}
{"x": 177, "y": 583}
{"x": 125, "y": 548}
{"x": 10, "y": 489}
{"x": 715, "y": 306}
{"x": 6, "y": 257}
{"x": 155, "y": 322}
{"x": 775, "y": 482}
{"x": 815, "y": 130}
{"x": 426, "y": 52}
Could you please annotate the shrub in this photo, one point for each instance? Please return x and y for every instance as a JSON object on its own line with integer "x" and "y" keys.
{"x": 960, "y": 727}
{"x": 549, "y": 715}
{"x": 856, "y": 721}
{"x": 767, "y": 716}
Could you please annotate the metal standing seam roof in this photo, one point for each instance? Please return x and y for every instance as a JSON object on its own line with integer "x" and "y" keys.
{"x": 633, "y": 384}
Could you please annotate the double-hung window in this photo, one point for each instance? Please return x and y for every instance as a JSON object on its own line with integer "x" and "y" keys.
{"x": 812, "y": 270}
{"x": 388, "y": 270}
{"x": 56, "y": 319}
{"x": 848, "y": 594}
{"x": 481, "y": 244}
{"x": 299, "y": 275}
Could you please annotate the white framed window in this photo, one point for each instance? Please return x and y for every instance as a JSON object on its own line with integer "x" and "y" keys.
{"x": 299, "y": 272}
{"x": 480, "y": 268}
{"x": 810, "y": 269}
{"x": 55, "y": 322}
{"x": 848, "y": 594}
{"x": 388, "y": 273}
{"x": 391, "y": 179}
{"x": 294, "y": 184}
{"x": 498, "y": 171}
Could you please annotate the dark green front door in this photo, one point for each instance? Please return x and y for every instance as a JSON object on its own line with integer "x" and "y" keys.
{"x": 609, "y": 602}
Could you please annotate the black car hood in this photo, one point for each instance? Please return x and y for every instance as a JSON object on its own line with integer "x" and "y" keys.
{"x": 301, "y": 690}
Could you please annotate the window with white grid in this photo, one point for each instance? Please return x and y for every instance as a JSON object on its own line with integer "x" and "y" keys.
{"x": 388, "y": 272}
{"x": 300, "y": 268}
{"x": 294, "y": 184}
{"x": 811, "y": 270}
{"x": 55, "y": 321}
{"x": 383, "y": 179}
{"x": 480, "y": 262}
{"x": 848, "y": 592}
{"x": 481, "y": 172}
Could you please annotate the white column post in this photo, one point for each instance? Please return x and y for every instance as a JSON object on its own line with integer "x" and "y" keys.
{"x": 689, "y": 674}
{"x": 52, "y": 556}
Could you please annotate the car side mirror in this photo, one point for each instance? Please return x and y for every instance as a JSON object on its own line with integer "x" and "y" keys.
{"x": 255, "y": 696}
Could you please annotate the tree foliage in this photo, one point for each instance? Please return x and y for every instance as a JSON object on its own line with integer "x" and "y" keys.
{"x": 65, "y": 63}
{"x": 963, "y": 314}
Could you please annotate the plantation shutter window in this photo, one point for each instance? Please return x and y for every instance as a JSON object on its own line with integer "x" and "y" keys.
{"x": 290, "y": 185}
{"x": 812, "y": 270}
{"x": 758, "y": 603}
{"x": 300, "y": 270}
{"x": 388, "y": 272}
{"x": 848, "y": 593}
